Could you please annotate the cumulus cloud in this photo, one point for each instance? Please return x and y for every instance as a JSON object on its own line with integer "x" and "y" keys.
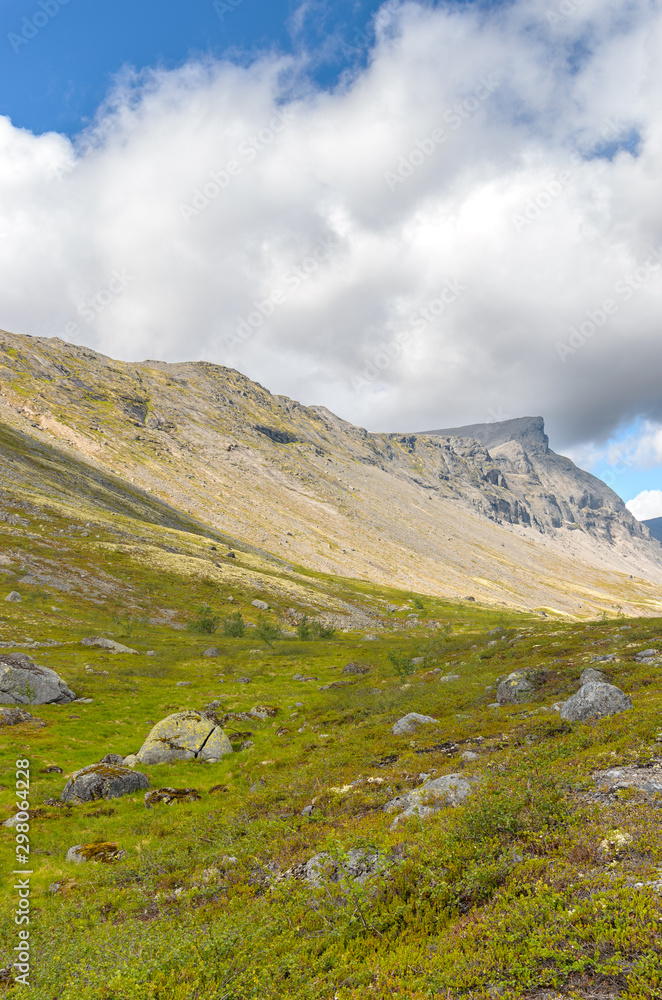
{"x": 646, "y": 505}
{"x": 470, "y": 228}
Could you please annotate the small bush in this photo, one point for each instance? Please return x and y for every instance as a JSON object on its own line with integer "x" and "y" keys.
{"x": 402, "y": 664}
{"x": 206, "y": 623}
{"x": 234, "y": 626}
{"x": 266, "y": 630}
{"x": 311, "y": 629}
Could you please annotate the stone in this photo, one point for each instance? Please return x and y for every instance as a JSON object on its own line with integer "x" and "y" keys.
{"x": 418, "y": 659}
{"x": 184, "y": 736}
{"x": 14, "y": 597}
{"x": 103, "y": 781}
{"x": 594, "y": 701}
{"x": 170, "y": 795}
{"x": 300, "y": 677}
{"x": 112, "y": 758}
{"x": 516, "y": 688}
{"x": 263, "y": 712}
{"x": 449, "y": 677}
{"x": 183, "y": 684}
{"x": 357, "y": 865}
{"x": 260, "y": 605}
{"x": 244, "y": 680}
{"x": 411, "y": 723}
{"x": 212, "y": 651}
{"x": 24, "y": 682}
{"x": 643, "y": 779}
{"x": 469, "y": 755}
{"x": 106, "y": 852}
{"x": 102, "y": 643}
{"x": 607, "y": 658}
{"x": 592, "y": 676}
{"x": 645, "y": 655}
{"x": 355, "y": 669}
{"x": 432, "y": 795}
{"x": 130, "y": 761}
{"x": 16, "y": 716}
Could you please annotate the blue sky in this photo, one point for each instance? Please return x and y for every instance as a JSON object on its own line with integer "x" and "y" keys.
{"x": 58, "y": 79}
{"x": 536, "y": 205}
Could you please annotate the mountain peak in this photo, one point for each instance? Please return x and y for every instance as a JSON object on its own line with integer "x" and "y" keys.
{"x": 528, "y": 431}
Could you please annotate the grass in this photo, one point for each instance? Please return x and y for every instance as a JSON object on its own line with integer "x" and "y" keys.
{"x": 510, "y": 895}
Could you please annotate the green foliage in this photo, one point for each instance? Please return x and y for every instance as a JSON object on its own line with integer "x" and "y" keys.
{"x": 312, "y": 629}
{"x": 266, "y": 630}
{"x": 234, "y": 626}
{"x": 402, "y": 664}
{"x": 207, "y": 621}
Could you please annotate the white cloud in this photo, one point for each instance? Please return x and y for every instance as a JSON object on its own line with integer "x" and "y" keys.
{"x": 536, "y": 237}
{"x": 646, "y": 505}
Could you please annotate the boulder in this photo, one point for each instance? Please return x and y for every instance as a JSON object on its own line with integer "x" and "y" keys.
{"x": 184, "y": 736}
{"x": 355, "y": 669}
{"x": 260, "y": 605}
{"x": 106, "y": 851}
{"x": 646, "y": 655}
{"x": 24, "y": 682}
{"x": 592, "y": 676}
{"x": 411, "y": 723}
{"x": 212, "y": 651}
{"x": 516, "y": 688}
{"x": 15, "y": 716}
{"x": 103, "y": 781}
{"x": 170, "y": 795}
{"x": 263, "y": 712}
{"x": 112, "y": 758}
{"x": 643, "y": 779}
{"x": 432, "y": 795}
{"x": 109, "y": 644}
{"x": 357, "y": 865}
{"x": 14, "y": 597}
{"x": 594, "y": 701}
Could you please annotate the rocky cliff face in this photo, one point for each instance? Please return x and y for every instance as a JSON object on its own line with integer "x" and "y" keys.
{"x": 487, "y": 511}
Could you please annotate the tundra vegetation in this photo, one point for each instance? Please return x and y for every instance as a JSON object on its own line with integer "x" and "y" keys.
{"x": 543, "y": 883}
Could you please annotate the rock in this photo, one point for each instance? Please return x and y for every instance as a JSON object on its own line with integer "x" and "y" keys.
{"x": 418, "y": 659}
{"x": 212, "y": 651}
{"x": 496, "y": 631}
{"x": 646, "y": 655}
{"x": 263, "y": 712}
{"x": 607, "y": 658}
{"x": 449, "y": 790}
{"x": 469, "y": 755}
{"x": 183, "y": 684}
{"x": 112, "y": 758}
{"x": 246, "y": 745}
{"x": 449, "y": 677}
{"x": 595, "y": 700}
{"x": 13, "y": 821}
{"x": 643, "y": 779}
{"x": 103, "y": 781}
{"x": 107, "y": 852}
{"x": 355, "y": 669}
{"x": 14, "y": 597}
{"x": 261, "y": 605}
{"x": 391, "y": 608}
{"x": 409, "y": 724}
{"x": 130, "y": 761}
{"x": 53, "y": 769}
{"x": 16, "y": 716}
{"x": 358, "y": 865}
{"x": 592, "y": 676}
{"x": 244, "y": 680}
{"x": 184, "y": 736}
{"x": 469, "y": 598}
{"x": 109, "y": 644}
{"x": 516, "y": 688}
{"x": 23, "y": 682}
{"x": 300, "y": 677}
{"x": 150, "y": 652}
{"x": 170, "y": 795}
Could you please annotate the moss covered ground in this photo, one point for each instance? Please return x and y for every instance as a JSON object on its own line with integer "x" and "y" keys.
{"x": 510, "y": 895}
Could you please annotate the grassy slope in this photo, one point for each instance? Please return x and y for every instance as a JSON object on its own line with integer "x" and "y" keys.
{"x": 511, "y": 891}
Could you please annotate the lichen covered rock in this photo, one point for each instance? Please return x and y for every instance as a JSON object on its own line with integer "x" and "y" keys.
{"x": 594, "y": 701}
{"x": 103, "y": 781}
{"x": 24, "y": 682}
{"x": 184, "y": 736}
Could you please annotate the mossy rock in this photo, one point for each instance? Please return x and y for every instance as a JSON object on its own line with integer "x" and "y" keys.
{"x": 104, "y": 851}
{"x": 103, "y": 781}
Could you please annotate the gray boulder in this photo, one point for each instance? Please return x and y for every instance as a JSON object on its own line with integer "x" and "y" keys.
{"x": 212, "y": 651}
{"x": 646, "y": 655}
{"x": 592, "y": 676}
{"x": 16, "y": 716}
{"x": 595, "y": 700}
{"x": 357, "y": 865}
{"x": 14, "y": 597}
{"x": 103, "y": 781}
{"x": 643, "y": 779}
{"x": 411, "y": 723}
{"x": 432, "y": 795}
{"x": 184, "y": 736}
{"x": 260, "y": 605}
{"x": 24, "y": 682}
{"x": 516, "y": 688}
{"x": 355, "y": 669}
{"x": 109, "y": 644}
{"x": 106, "y": 852}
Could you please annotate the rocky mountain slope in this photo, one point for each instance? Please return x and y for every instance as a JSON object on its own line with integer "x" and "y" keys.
{"x": 485, "y": 511}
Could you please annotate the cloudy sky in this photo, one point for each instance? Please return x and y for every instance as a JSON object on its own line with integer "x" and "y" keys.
{"x": 418, "y": 214}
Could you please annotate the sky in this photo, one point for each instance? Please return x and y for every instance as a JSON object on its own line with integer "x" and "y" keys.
{"x": 418, "y": 214}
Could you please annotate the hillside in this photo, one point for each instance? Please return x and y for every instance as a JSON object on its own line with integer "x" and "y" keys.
{"x": 487, "y": 512}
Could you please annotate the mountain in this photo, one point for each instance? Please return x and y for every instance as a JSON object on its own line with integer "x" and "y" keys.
{"x": 654, "y": 525}
{"x": 486, "y": 511}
